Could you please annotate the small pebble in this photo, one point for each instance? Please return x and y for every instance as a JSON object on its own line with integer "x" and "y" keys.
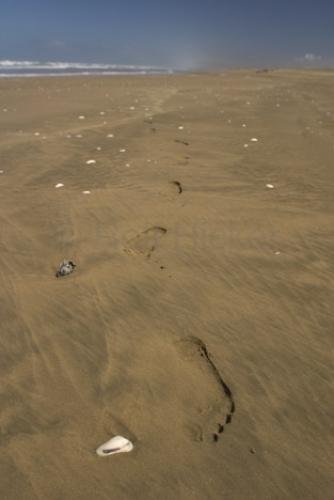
{"x": 270, "y": 186}
{"x": 81, "y": 117}
{"x": 254, "y": 139}
{"x": 90, "y": 162}
{"x": 181, "y": 127}
{"x": 59, "y": 185}
{"x": 65, "y": 268}
{"x": 122, "y": 150}
{"x": 110, "y": 136}
{"x": 86, "y": 192}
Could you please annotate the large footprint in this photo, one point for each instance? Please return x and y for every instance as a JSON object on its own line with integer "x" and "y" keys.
{"x": 194, "y": 351}
{"x": 171, "y": 390}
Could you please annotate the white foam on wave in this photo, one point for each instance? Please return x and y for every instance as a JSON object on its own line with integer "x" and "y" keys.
{"x": 60, "y": 68}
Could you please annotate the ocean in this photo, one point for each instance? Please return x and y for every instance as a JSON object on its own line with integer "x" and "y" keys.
{"x": 10, "y": 68}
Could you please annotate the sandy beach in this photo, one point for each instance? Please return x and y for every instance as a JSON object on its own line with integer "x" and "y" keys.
{"x": 198, "y": 321}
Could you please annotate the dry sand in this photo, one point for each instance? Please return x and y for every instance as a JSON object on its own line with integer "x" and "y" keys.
{"x": 187, "y": 309}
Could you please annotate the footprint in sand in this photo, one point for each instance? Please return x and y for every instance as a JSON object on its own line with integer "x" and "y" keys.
{"x": 173, "y": 388}
{"x": 212, "y": 418}
{"x": 178, "y": 186}
{"x": 146, "y": 242}
{"x": 170, "y": 190}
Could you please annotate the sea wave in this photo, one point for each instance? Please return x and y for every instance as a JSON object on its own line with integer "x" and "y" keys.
{"x": 50, "y": 68}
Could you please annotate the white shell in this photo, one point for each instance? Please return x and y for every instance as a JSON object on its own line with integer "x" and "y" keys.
{"x": 254, "y": 139}
{"x": 90, "y": 162}
{"x": 117, "y": 444}
{"x": 59, "y": 185}
{"x": 270, "y": 186}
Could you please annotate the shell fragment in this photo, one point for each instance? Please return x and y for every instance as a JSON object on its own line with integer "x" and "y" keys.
{"x": 117, "y": 444}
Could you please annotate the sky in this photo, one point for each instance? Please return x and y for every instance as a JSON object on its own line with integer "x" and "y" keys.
{"x": 183, "y": 34}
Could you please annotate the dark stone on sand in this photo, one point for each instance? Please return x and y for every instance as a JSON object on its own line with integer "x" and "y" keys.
{"x": 65, "y": 268}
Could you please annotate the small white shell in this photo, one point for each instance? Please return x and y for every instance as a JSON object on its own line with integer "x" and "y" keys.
{"x": 90, "y": 162}
{"x": 270, "y": 186}
{"x": 254, "y": 139}
{"x": 59, "y": 185}
{"x": 117, "y": 444}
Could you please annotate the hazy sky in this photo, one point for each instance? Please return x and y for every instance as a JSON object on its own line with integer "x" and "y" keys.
{"x": 178, "y": 33}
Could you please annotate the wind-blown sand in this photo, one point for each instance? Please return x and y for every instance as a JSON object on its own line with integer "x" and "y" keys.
{"x": 198, "y": 321}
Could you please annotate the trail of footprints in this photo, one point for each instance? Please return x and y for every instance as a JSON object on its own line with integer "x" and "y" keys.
{"x": 192, "y": 347}
{"x": 145, "y": 243}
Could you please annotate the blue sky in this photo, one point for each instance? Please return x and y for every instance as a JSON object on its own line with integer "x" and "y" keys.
{"x": 178, "y": 33}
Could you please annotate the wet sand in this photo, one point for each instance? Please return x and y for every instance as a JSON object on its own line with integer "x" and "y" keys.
{"x": 198, "y": 321}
